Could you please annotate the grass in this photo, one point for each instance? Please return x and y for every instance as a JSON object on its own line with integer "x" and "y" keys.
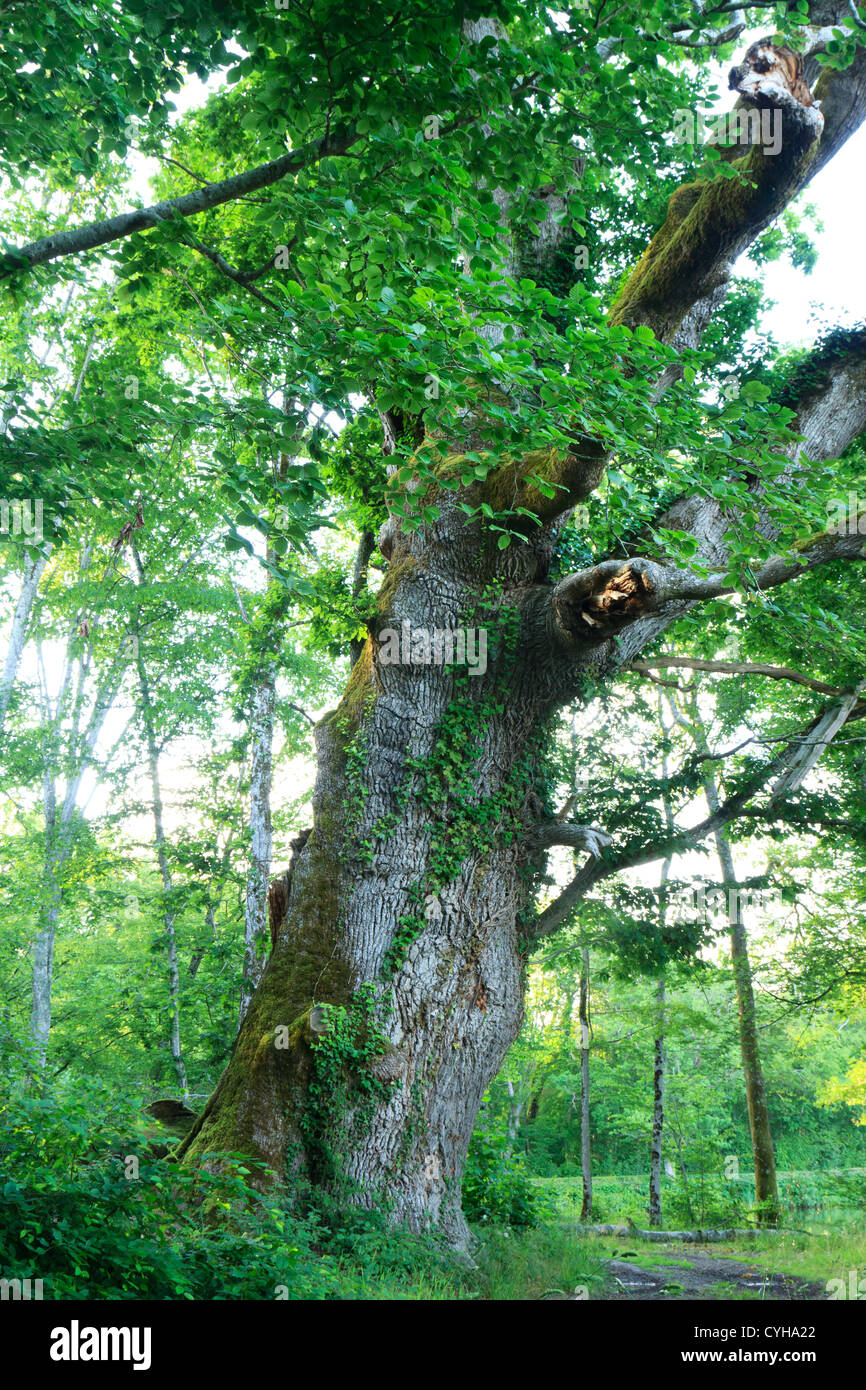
{"x": 824, "y": 1239}
{"x": 515, "y": 1266}
{"x": 821, "y": 1255}
{"x": 510, "y": 1266}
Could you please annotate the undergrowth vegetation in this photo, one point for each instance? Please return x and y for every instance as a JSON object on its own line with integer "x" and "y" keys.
{"x": 92, "y": 1207}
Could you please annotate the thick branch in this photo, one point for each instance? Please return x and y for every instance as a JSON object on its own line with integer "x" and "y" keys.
{"x": 587, "y": 609}
{"x": 586, "y": 837}
{"x": 811, "y": 741}
{"x": 77, "y": 239}
{"x": 682, "y": 276}
{"x": 736, "y": 668}
{"x": 683, "y": 272}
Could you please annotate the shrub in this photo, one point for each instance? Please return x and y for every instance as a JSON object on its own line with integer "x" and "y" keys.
{"x": 496, "y": 1187}
{"x": 71, "y": 1216}
{"x": 713, "y": 1203}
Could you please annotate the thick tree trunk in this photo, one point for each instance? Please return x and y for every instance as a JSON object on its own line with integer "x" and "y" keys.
{"x": 585, "y": 1152}
{"x": 395, "y": 985}
{"x": 414, "y": 883}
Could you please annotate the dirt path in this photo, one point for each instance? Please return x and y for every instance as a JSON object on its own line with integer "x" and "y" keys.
{"x": 692, "y": 1274}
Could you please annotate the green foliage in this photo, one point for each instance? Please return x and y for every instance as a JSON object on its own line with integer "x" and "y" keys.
{"x": 72, "y": 1216}
{"x": 343, "y": 1090}
{"x": 496, "y": 1188}
{"x": 710, "y": 1202}
{"x": 228, "y": 423}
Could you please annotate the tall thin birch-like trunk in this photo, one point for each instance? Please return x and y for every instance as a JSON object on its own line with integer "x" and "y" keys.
{"x": 763, "y": 1153}
{"x": 260, "y": 834}
{"x": 585, "y": 1152}
{"x": 262, "y": 711}
{"x": 655, "y": 1188}
{"x": 18, "y": 636}
{"x": 168, "y": 912}
{"x": 515, "y": 1108}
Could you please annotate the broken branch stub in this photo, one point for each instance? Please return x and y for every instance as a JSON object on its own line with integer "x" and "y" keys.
{"x": 594, "y": 604}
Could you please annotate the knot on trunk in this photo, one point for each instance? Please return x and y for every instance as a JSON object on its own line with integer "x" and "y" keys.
{"x": 389, "y": 1066}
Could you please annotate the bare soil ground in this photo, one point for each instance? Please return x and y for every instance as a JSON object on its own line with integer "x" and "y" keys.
{"x": 693, "y": 1274}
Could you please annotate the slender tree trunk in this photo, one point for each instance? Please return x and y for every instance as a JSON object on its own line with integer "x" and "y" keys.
{"x": 261, "y": 836}
{"x": 18, "y": 636}
{"x": 585, "y": 1155}
{"x": 262, "y": 709}
{"x": 681, "y": 1163}
{"x": 655, "y": 1192}
{"x": 56, "y": 854}
{"x": 763, "y": 1153}
{"x": 366, "y": 546}
{"x": 514, "y": 1111}
{"x": 168, "y": 911}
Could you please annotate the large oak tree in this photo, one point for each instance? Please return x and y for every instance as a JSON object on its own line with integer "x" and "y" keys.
{"x": 484, "y": 237}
